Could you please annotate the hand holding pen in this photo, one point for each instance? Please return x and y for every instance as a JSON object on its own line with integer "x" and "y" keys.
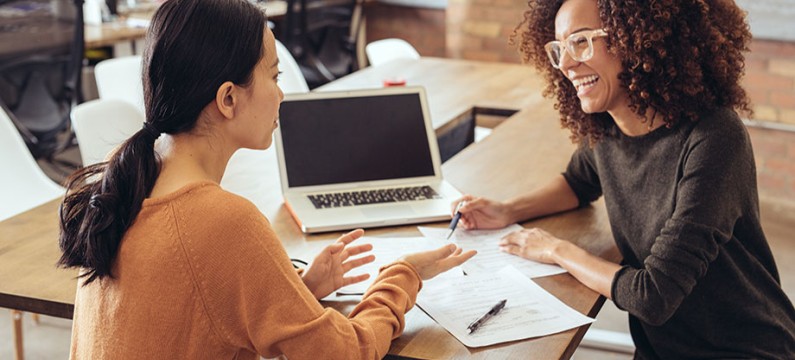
{"x": 492, "y": 312}
{"x": 482, "y": 213}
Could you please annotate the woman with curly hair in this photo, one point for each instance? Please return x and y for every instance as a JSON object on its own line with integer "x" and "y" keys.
{"x": 650, "y": 90}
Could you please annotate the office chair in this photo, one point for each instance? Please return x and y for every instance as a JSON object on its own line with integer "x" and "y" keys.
{"x": 321, "y": 35}
{"x": 23, "y": 186}
{"x": 291, "y": 80}
{"x": 121, "y": 78}
{"x": 102, "y": 125}
{"x": 40, "y": 70}
{"x": 383, "y": 51}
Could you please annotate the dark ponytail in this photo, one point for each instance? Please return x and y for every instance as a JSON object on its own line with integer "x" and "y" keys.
{"x": 193, "y": 46}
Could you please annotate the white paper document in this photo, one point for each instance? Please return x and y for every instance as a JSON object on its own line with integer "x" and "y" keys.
{"x": 387, "y": 250}
{"x": 489, "y": 257}
{"x": 530, "y": 311}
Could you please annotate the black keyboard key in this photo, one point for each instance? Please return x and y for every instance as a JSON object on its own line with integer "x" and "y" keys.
{"x": 353, "y": 198}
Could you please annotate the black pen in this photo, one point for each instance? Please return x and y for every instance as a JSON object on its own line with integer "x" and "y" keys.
{"x": 456, "y": 217}
{"x": 494, "y": 311}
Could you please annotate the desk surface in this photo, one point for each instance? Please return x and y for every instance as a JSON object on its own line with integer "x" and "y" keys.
{"x": 456, "y": 88}
{"x": 520, "y": 155}
{"x": 111, "y": 33}
{"x": 118, "y": 31}
{"x": 21, "y": 37}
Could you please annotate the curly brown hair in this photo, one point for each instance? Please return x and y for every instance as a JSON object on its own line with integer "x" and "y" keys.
{"x": 680, "y": 58}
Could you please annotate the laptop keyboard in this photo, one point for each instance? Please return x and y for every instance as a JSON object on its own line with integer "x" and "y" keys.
{"x": 353, "y": 198}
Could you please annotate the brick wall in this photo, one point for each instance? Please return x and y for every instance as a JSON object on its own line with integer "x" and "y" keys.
{"x": 422, "y": 28}
{"x": 770, "y": 80}
{"x": 479, "y": 30}
{"x": 774, "y": 151}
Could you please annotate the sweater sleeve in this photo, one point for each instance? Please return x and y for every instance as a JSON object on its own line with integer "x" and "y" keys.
{"x": 582, "y": 177}
{"x": 255, "y": 299}
{"x": 717, "y": 175}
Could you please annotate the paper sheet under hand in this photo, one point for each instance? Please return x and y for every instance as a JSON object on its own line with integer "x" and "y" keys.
{"x": 530, "y": 311}
{"x": 387, "y": 250}
{"x": 489, "y": 257}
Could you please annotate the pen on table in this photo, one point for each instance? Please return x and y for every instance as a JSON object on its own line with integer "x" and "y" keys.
{"x": 349, "y": 293}
{"x": 494, "y": 311}
{"x": 456, "y": 217}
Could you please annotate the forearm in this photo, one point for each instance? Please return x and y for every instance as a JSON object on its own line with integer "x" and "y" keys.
{"x": 594, "y": 272}
{"x": 554, "y": 197}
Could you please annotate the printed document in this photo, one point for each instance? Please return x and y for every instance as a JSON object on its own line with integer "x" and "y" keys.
{"x": 489, "y": 257}
{"x": 456, "y": 301}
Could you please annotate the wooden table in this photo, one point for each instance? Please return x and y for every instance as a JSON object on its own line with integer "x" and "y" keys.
{"x": 111, "y": 33}
{"x": 521, "y": 154}
{"x": 37, "y": 34}
{"x": 457, "y": 89}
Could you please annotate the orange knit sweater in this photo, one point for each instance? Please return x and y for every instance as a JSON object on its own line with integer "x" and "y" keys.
{"x": 201, "y": 275}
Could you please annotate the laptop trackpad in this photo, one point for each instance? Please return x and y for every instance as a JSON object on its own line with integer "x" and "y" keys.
{"x": 388, "y": 212}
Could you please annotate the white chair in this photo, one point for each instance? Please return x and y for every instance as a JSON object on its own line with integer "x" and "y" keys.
{"x": 101, "y": 125}
{"x": 23, "y": 186}
{"x": 291, "y": 81}
{"x": 382, "y": 51}
{"x": 121, "y": 78}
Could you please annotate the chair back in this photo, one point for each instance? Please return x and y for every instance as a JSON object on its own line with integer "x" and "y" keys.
{"x": 291, "y": 80}
{"x": 321, "y": 35}
{"x": 122, "y": 79}
{"x": 41, "y": 60}
{"x": 23, "y": 185}
{"x": 386, "y": 50}
{"x": 102, "y": 125}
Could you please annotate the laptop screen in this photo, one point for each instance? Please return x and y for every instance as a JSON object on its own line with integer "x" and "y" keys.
{"x": 353, "y": 139}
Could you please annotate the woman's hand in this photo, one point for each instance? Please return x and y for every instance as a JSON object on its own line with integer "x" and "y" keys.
{"x": 434, "y": 262}
{"x": 534, "y": 244}
{"x": 327, "y": 272}
{"x": 538, "y": 245}
{"x": 482, "y": 213}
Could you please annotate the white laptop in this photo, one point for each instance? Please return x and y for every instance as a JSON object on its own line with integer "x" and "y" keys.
{"x": 364, "y": 158}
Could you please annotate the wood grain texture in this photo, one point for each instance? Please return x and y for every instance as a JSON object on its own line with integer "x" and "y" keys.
{"x": 110, "y": 33}
{"x": 29, "y": 279}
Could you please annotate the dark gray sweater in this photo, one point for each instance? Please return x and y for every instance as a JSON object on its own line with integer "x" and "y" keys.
{"x": 698, "y": 278}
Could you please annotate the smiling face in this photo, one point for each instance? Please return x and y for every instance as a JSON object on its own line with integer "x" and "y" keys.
{"x": 596, "y": 79}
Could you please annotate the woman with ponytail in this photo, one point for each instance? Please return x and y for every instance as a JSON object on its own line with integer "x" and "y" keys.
{"x": 174, "y": 267}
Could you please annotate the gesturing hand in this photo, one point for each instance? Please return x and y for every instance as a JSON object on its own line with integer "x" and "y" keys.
{"x": 327, "y": 272}
{"x": 534, "y": 244}
{"x": 434, "y": 262}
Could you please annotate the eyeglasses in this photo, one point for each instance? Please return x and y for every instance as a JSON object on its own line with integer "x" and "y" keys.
{"x": 578, "y": 45}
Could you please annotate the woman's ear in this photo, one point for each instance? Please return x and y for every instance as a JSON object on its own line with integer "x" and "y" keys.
{"x": 226, "y": 99}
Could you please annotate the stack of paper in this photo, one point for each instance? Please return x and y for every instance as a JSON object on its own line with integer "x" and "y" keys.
{"x": 456, "y": 301}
